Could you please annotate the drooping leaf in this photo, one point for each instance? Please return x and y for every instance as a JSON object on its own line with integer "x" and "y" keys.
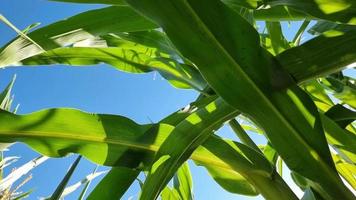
{"x": 128, "y": 57}
{"x": 112, "y": 2}
{"x": 239, "y": 70}
{"x": 113, "y": 140}
{"x": 199, "y": 124}
{"x": 79, "y": 27}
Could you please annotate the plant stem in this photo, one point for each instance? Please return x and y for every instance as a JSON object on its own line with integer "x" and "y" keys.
{"x": 273, "y": 188}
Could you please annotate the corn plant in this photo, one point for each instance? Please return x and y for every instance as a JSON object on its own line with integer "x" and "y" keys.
{"x": 293, "y": 93}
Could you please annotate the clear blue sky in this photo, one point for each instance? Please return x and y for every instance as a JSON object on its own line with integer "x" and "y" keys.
{"x": 99, "y": 89}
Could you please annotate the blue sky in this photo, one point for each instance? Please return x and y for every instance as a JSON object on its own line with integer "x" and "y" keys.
{"x": 99, "y": 89}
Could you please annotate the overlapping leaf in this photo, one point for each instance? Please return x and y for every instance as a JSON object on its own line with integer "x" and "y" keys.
{"x": 136, "y": 52}
{"x": 232, "y": 55}
{"x": 86, "y": 25}
{"x": 337, "y": 11}
{"x": 115, "y": 140}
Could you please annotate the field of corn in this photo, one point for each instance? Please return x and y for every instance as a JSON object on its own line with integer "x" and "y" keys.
{"x": 294, "y": 93}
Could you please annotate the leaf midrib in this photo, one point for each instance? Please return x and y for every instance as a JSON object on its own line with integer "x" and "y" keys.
{"x": 103, "y": 140}
{"x": 247, "y": 78}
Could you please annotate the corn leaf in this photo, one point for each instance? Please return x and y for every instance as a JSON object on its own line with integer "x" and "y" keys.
{"x": 170, "y": 194}
{"x": 112, "y": 2}
{"x": 199, "y": 125}
{"x": 337, "y": 11}
{"x": 183, "y": 182}
{"x": 278, "y": 41}
{"x": 310, "y": 194}
{"x": 114, "y": 184}
{"x": 236, "y": 67}
{"x": 341, "y": 139}
{"x": 232, "y": 181}
{"x": 323, "y": 26}
{"x": 320, "y": 56}
{"x": 346, "y": 170}
{"x": 79, "y": 27}
{"x": 129, "y": 57}
{"x": 115, "y": 140}
{"x": 341, "y": 115}
{"x": 62, "y": 185}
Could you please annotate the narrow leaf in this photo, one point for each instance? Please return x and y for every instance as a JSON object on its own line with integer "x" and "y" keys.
{"x": 62, "y": 185}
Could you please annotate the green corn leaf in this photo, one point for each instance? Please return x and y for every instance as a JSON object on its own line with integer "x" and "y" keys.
{"x": 278, "y": 41}
{"x": 270, "y": 153}
{"x": 346, "y": 170}
{"x": 299, "y": 180}
{"x": 266, "y": 42}
{"x": 242, "y": 135}
{"x": 59, "y": 190}
{"x": 183, "y": 182}
{"x": 342, "y": 89}
{"x": 129, "y": 58}
{"x": 298, "y": 36}
{"x": 86, "y": 25}
{"x": 281, "y": 13}
{"x": 199, "y": 124}
{"x": 115, "y": 140}
{"x": 236, "y": 67}
{"x": 151, "y": 38}
{"x": 112, "y": 2}
{"x": 5, "y": 95}
{"x": 320, "y": 56}
{"x": 114, "y": 184}
{"x": 337, "y": 11}
{"x": 170, "y": 194}
{"x": 323, "y": 26}
{"x": 341, "y": 139}
{"x": 232, "y": 181}
{"x": 310, "y": 194}
{"x": 318, "y": 94}
{"x": 136, "y": 52}
{"x": 341, "y": 115}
